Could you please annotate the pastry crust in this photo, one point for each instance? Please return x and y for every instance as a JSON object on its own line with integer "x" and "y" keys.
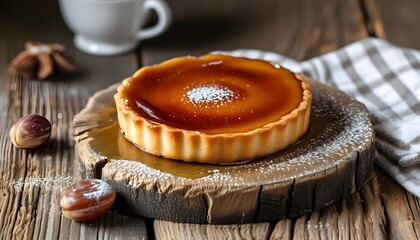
{"x": 194, "y": 146}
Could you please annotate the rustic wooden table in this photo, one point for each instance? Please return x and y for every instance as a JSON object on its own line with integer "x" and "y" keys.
{"x": 31, "y": 181}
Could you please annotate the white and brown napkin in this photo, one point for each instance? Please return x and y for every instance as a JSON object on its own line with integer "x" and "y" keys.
{"x": 386, "y": 78}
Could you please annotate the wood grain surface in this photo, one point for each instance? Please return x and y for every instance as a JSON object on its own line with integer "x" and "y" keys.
{"x": 31, "y": 181}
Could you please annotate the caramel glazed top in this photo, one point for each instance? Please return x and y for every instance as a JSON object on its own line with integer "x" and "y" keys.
{"x": 214, "y": 94}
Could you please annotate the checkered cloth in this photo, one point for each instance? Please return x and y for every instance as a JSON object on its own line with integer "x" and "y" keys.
{"x": 386, "y": 78}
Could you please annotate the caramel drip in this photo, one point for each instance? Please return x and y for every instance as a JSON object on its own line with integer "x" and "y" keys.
{"x": 214, "y": 94}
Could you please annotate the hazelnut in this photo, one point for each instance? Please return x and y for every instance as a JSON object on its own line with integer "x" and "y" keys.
{"x": 87, "y": 199}
{"x": 30, "y": 131}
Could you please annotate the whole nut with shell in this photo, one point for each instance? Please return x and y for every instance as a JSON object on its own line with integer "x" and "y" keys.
{"x": 30, "y": 131}
{"x": 87, "y": 199}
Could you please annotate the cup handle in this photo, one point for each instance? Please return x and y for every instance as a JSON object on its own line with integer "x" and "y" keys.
{"x": 164, "y": 16}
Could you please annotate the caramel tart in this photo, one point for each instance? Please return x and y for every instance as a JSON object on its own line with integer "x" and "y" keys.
{"x": 213, "y": 109}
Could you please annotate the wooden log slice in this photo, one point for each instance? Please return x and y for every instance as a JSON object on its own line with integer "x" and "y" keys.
{"x": 329, "y": 163}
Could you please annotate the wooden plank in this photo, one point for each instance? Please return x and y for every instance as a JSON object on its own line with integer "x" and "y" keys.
{"x": 30, "y": 207}
{"x": 282, "y": 230}
{"x": 360, "y": 216}
{"x": 112, "y": 225}
{"x": 298, "y": 29}
{"x": 32, "y": 180}
{"x": 31, "y": 172}
{"x": 274, "y": 200}
{"x": 171, "y": 230}
{"x": 395, "y": 21}
{"x": 402, "y": 209}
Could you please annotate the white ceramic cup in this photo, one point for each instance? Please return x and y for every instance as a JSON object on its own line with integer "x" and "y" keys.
{"x": 110, "y": 27}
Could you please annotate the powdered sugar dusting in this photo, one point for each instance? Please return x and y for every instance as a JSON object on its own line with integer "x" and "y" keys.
{"x": 39, "y": 182}
{"x": 132, "y": 170}
{"x": 98, "y": 189}
{"x": 140, "y": 168}
{"x": 213, "y": 94}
